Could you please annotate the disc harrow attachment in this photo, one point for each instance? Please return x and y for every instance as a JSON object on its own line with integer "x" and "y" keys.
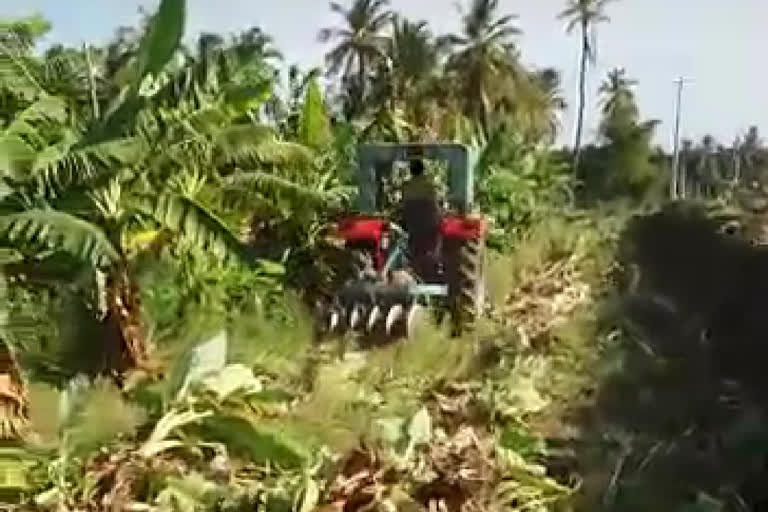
{"x": 379, "y": 310}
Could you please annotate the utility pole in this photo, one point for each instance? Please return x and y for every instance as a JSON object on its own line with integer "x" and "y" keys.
{"x": 675, "y": 188}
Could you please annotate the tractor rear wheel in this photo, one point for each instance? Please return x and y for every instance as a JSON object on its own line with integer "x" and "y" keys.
{"x": 466, "y": 283}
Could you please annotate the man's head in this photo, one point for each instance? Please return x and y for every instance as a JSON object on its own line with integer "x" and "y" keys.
{"x": 417, "y": 168}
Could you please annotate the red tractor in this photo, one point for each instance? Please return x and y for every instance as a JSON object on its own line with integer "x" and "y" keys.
{"x": 394, "y": 275}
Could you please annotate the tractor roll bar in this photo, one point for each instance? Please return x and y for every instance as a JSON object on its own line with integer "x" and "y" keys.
{"x": 375, "y": 162}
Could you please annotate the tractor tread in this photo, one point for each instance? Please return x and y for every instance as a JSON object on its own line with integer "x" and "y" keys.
{"x": 466, "y": 283}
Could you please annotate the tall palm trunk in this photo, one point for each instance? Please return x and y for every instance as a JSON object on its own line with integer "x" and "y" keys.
{"x": 361, "y": 85}
{"x": 582, "y": 95}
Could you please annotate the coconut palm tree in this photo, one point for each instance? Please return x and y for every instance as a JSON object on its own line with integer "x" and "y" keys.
{"x": 751, "y": 155}
{"x": 360, "y": 46}
{"x": 255, "y": 42}
{"x": 401, "y": 88}
{"x": 586, "y": 15}
{"x": 413, "y": 56}
{"x": 483, "y": 58}
{"x": 617, "y": 94}
{"x": 539, "y": 104}
{"x": 708, "y": 166}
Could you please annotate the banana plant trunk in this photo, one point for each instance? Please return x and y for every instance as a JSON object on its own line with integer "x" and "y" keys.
{"x": 14, "y": 400}
{"x": 126, "y": 339}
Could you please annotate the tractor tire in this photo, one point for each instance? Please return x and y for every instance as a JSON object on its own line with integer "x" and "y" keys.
{"x": 466, "y": 283}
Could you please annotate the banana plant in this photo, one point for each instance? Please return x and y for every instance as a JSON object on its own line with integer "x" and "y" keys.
{"x": 49, "y": 161}
{"x": 104, "y": 241}
{"x": 517, "y": 182}
{"x": 102, "y": 193}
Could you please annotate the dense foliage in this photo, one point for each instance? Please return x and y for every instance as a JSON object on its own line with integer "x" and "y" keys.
{"x": 163, "y": 219}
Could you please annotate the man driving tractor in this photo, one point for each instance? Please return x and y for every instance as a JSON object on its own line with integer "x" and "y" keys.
{"x": 419, "y": 186}
{"x": 421, "y": 219}
{"x": 443, "y": 265}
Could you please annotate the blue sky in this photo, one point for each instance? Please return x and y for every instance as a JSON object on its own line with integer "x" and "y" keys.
{"x": 714, "y": 42}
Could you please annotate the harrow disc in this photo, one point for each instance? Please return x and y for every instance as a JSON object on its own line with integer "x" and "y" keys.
{"x": 403, "y": 318}
{"x": 415, "y": 315}
{"x": 394, "y": 318}
{"x": 374, "y": 318}
{"x": 334, "y": 321}
{"x": 356, "y": 316}
{"x": 371, "y": 309}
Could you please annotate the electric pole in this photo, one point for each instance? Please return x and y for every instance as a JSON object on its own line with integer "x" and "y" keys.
{"x": 675, "y": 185}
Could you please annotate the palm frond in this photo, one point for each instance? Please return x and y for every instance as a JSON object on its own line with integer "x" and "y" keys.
{"x": 381, "y": 20}
{"x": 39, "y": 230}
{"x": 338, "y": 58}
{"x": 285, "y": 153}
{"x": 192, "y": 220}
{"x": 162, "y": 37}
{"x": 26, "y": 133}
{"x": 65, "y": 165}
{"x": 273, "y": 185}
{"x": 247, "y": 144}
{"x": 504, "y": 23}
{"x": 18, "y": 69}
{"x": 47, "y": 109}
{"x": 338, "y": 8}
{"x": 16, "y": 156}
{"x": 584, "y": 13}
{"x": 326, "y": 34}
{"x": 314, "y": 125}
